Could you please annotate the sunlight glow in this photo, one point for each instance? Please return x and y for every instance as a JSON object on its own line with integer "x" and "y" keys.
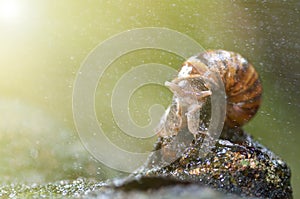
{"x": 9, "y": 10}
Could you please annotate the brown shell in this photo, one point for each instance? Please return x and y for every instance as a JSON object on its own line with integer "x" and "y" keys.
{"x": 242, "y": 84}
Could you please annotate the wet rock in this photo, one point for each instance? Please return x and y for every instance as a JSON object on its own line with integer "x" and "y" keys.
{"x": 237, "y": 165}
{"x": 177, "y": 191}
{"x": 143, "y": 187}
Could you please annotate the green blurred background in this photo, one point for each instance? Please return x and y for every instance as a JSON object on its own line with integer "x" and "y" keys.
{"x": 43, "y": 44}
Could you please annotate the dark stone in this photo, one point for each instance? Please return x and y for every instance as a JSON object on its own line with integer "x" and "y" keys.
{"x": 177, "y": 191}
{"x": 238, "y": 165}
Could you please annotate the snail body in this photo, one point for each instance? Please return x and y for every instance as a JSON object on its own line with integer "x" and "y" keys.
{"x": 242, "y": 87}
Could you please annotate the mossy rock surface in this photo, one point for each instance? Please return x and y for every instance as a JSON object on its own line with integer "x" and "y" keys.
{"x": 237, "y": 164}
{"x": 236, "y": 167}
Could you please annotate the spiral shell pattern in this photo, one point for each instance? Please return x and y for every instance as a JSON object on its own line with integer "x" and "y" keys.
{"x": 241, "y": 81}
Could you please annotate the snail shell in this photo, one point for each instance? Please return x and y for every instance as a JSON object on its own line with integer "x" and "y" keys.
{"x": 242, "y": 84}
{"x": 189, "y": 112}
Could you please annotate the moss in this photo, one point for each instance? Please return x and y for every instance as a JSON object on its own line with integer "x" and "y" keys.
{"x": 238, "y": 165}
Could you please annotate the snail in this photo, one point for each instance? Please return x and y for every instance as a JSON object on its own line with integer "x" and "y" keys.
{"x": 242, "y": 87}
